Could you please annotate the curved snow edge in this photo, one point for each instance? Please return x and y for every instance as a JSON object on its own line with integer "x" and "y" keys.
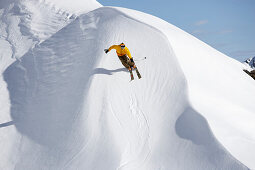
{"x": 170, "y": 47}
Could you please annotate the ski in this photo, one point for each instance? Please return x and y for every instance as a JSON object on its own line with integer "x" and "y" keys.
{"x": 138, "y": 74}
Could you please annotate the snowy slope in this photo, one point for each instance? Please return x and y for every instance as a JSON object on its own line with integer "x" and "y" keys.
{"x": 74, "y": 108}
{"x": 74, "y": 6}
{"x": 218, "y": 89}
{"x": 23, "y": 24}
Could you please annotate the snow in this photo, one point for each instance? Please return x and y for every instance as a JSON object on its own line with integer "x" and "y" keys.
{"x": 218, "y": 89}
{"x": 65, "y": 104}
{"x": 75, "y": 6}
{"x": 250, "y": 63}
{"x": 25, "y": 23}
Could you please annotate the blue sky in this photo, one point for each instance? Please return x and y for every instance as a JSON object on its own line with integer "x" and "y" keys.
{"x": 227, "y": 25}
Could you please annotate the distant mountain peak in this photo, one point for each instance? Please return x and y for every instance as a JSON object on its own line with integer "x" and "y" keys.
{"x": 250, "y": 62}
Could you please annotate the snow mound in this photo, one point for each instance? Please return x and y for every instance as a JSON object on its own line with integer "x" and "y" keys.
{"x": 74, "y": 108}
{"x": 75, "y": 6}
{"x": 218, "y": 88}
{"x": 28, "y": 22}
{"x": 23, "y": 24}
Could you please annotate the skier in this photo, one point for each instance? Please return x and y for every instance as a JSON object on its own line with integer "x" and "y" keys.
{"x": 125, "y": 58}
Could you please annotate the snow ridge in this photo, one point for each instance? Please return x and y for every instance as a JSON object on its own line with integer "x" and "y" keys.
{"x": 65, "y": 104}
{"x": 103, "y": 121}
{"x": 214, "y": 79}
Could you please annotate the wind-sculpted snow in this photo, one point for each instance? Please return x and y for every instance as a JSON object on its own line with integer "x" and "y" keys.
{"x": 25, "y": 23}
{"x": 74, "y": 107}
{"x": 218, "y": 88}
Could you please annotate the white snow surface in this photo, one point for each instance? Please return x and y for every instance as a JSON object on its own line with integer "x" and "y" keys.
{"x": 218, "y": 89}
{"x": 65, "y": 104}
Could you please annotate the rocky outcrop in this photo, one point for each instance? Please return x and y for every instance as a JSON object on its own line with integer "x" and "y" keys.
{"x": 251, "y": 73}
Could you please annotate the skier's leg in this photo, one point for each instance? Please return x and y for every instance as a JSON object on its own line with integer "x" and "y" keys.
{"x": 124, "y": 61}
{"x": 131, "y": 73}
{"x": 132, "y": 65}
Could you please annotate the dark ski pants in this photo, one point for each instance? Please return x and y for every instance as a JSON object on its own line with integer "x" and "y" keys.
{"x": 126, "y": 62}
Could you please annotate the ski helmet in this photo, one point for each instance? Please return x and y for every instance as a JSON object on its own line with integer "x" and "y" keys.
{"x": 122, "y": 45}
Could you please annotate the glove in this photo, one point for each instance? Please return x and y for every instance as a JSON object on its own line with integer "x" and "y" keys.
{"x": 132, "y": 60}
{"x": 106, "y": 50}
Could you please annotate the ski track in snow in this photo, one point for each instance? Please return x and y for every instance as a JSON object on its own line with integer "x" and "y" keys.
{"x": 142, "y": 133}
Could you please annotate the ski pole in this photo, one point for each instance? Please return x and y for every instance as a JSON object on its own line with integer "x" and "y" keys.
{"x": 140, "y": 59}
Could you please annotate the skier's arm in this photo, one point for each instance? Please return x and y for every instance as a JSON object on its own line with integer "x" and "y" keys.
{"x": 113, "y": 47}
{"x": 109, "y": 49}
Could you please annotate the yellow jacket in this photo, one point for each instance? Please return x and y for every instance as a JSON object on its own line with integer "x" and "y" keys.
{"x": 121, "y": 52}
